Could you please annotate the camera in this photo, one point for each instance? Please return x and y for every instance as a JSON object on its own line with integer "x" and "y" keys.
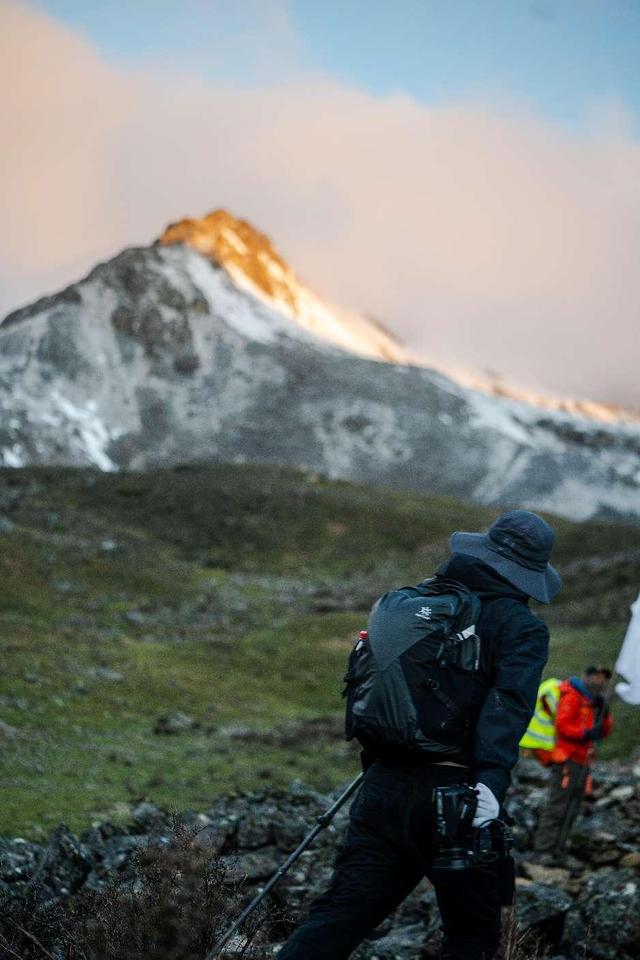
{"x": 460, "y": 845}
{"x": 455, "y": 809}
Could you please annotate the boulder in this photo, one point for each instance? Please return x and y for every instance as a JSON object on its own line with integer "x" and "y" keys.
{"x": 18, "y": 861}
{"x": 600, "y": 840}
{"x": 146, "y": 817}
{"x": 541, "y": 910}
{"x": 631, "y": 860}
{"x": 63, "y": 866}
{"x": 605, "y": 922}
{"x": 401, "y": 943}
{"x": 549, "y": 876}
{"x": 253, "y": 866}
{"x": 174, "y": 723}
{"x": 114, "y": 864}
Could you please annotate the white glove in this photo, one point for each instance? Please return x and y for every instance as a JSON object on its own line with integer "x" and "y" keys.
{"x": 488, "y": 807}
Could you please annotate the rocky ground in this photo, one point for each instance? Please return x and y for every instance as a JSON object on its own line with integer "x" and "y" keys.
{"x": 190, "y": 876}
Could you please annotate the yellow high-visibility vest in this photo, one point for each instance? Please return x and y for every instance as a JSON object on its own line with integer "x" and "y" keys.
{"x": 541, "y": 732}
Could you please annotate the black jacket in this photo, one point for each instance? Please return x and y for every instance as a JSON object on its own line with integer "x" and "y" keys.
{"x": 515, "y": 647}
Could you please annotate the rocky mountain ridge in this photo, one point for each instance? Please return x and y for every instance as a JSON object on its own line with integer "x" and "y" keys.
{"x": 206, "y": 347}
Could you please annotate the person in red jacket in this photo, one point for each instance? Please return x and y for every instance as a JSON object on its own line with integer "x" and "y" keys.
{"x": 582, "y": 718}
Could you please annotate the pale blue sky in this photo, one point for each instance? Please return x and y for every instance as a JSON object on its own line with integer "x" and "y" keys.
{"x": 567, "y": 58}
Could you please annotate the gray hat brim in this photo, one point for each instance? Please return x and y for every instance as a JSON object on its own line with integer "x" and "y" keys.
{"x": 542, "y": 585}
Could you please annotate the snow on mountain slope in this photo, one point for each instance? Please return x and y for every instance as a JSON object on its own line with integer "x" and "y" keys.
{"x": 253, "y": 262}
{"x": 205, "y": 346}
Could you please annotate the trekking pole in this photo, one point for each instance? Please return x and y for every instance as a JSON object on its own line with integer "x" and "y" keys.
{"x": 321, "y": 822}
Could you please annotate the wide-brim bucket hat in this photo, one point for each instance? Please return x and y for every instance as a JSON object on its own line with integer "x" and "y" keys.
{"x": 517, "y": 546}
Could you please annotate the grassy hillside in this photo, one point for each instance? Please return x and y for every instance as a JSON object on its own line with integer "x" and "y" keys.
{"x": 230, "y": 595}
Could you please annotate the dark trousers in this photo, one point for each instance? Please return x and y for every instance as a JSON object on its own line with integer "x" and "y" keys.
{"x": 389, "y": 847}
{"x": 566, "y": 791}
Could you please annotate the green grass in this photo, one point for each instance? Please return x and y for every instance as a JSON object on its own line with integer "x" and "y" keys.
{"x": 229, "y": 594}
{"x": 85, "y": 747}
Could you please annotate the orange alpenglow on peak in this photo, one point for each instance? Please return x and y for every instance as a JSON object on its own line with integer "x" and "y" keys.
{"x": 252, "y": 261}
{"x": 240, "y": 248}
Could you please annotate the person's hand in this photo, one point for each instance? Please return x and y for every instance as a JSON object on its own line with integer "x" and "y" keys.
{"x": 488, "y": 807}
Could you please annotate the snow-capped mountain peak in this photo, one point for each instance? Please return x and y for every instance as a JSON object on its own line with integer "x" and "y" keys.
{"x": 253, "y": 262}
{"x": 205, "y": 346}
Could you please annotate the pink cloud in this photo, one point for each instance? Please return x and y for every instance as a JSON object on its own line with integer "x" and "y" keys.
{"x": 484, "y": 235}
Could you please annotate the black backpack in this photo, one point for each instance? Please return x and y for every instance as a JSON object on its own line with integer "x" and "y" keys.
{"x": 411, "y": 677}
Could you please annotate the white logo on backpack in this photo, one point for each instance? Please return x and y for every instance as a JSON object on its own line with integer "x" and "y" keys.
{"x": 424, "y": 613}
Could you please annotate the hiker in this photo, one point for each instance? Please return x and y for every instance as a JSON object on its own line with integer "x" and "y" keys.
{"x": 582, "y": 719}
{"x": 391, "y": 842}
{"x": 540, "y": 738}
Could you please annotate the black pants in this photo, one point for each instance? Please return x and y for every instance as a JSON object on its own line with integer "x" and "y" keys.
{"x": 389, "y": 847}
